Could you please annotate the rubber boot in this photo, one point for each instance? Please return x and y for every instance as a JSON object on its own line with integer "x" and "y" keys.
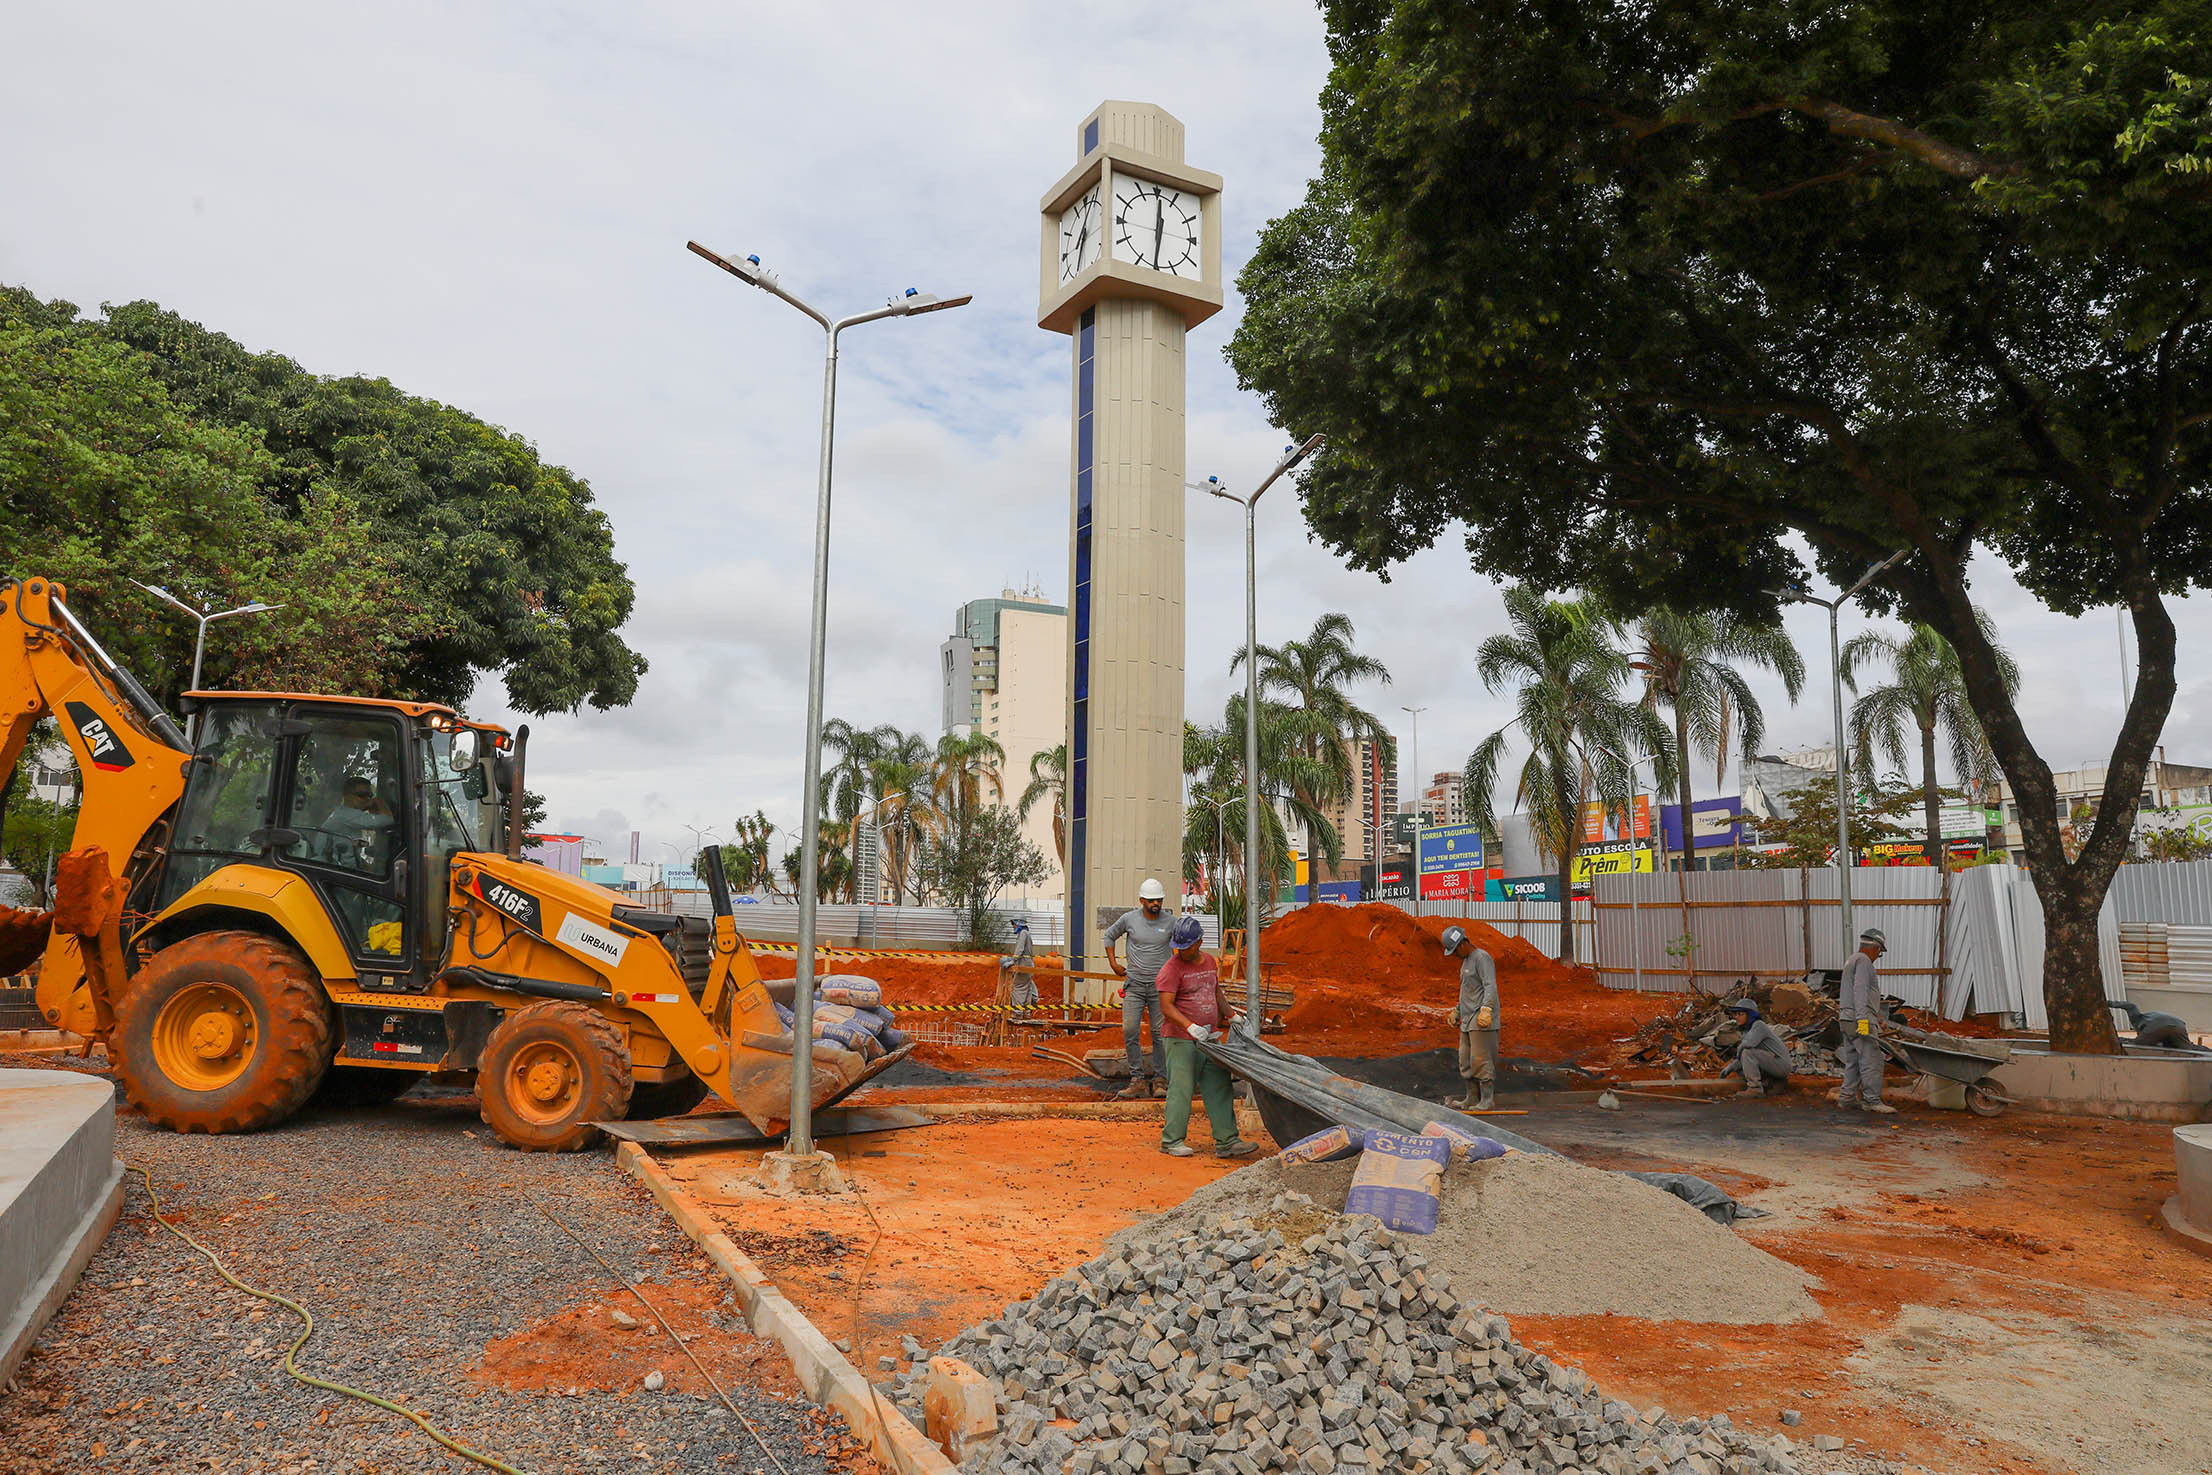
{"x": 1486, "y": 1101}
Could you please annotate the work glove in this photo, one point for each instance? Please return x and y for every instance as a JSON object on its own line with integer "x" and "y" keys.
{"x": 1866, "y": 1027}
{"x": 1199, "y": 1032}
{"x": 1482, "y": 1019}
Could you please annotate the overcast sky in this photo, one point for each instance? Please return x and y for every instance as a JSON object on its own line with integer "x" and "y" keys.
{"x": 488, "y": 204}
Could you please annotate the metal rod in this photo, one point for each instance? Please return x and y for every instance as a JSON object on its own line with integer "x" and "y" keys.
{"x": 1843, "y": 783}
{"x": 1420, "y": 802}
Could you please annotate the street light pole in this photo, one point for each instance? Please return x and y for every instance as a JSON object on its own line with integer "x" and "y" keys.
{"x": 1292, "y": 456}
{"x": 1221, "y": 845}
{"x": 199, "y": 641}
{"x": 1420, "y": 797}
{"x": 1843, "y": 762}
{"x": 799, "y": 1140}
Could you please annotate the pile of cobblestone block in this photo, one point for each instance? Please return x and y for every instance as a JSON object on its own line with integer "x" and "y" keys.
{"x": 1303, "y": 1341}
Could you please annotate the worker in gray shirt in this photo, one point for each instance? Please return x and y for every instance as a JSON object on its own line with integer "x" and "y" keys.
{"x": 1023, "y": 968}
{"x": 2161, "y": 1031}
{"x": 1760, "y": 1054}
{"x": 1478, "y": 1019}
{"x": 1151, "y": 932}
{"x": 1859, "y": 1009}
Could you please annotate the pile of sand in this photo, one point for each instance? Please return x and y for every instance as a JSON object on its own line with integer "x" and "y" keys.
{"x": 1533, "y": 1234}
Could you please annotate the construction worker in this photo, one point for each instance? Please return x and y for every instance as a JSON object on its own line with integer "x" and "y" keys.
{"x": 1150, "y": 932}
{"x": 2161, "y": 1031}
{"x": 1478, "y": 1019}
{"x": 1189, "y": 986}
{"x": 1761, "y": 1056}
{"x": 1023, "y": 967}
{"x": 1859, "y": 1008}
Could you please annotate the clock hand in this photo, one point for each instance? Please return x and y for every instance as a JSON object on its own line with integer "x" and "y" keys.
{"x": 1080, "y": 237}
{"x": 1159, "y": 225}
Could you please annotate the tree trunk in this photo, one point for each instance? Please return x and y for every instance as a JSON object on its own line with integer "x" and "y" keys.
{"x": 1682, "y": 763}
{"x": 2072, "y": 890}
{"x": 1928, "y": 795}
{"x": 1567, "y": 903}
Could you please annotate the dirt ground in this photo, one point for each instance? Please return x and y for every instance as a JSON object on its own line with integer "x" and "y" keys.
{"x": 1996, "y": 1294}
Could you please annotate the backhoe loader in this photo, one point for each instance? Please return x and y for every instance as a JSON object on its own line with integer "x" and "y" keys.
{"x": 313, "y": 896}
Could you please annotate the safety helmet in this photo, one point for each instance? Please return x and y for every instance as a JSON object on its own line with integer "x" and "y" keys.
{"x": 1152, "y": 890}
{"x": 1189, "y": 932}
{"x": 1874, "y": 935}
{"x": 1744, "y": 1006}
{"x": 1020, "y": 925}
{"x": 1453, "y": 937}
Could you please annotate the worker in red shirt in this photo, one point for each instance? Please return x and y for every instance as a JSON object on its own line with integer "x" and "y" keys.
{"x": 1190, "y": 996}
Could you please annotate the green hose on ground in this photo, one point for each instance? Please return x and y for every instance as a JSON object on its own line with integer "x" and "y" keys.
{"x": 307, "y": 1330}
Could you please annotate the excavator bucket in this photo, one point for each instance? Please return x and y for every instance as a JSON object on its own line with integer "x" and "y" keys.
{"x": 23, "y": 937}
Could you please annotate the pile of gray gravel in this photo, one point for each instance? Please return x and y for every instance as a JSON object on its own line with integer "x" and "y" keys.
{"x": 1305, "y": 1341}
{"x": 1535, "y": 1234}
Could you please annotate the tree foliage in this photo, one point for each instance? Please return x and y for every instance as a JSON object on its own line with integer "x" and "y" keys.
{"x": 1926, "y": 693}
{"x": 1313, "y": 677}
{"x": 971, "y": 864}
{"x": 1808, "y": 836}
{"x": 412, "y": 545}
{"x": 1715, "y": 284}
{"x": 1691, "y": 661}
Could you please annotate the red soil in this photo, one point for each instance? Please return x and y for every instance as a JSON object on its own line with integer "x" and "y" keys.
{"x": 1370, "y": 980}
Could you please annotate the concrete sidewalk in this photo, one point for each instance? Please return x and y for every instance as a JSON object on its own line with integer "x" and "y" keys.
{"x": 60, "y": 1190}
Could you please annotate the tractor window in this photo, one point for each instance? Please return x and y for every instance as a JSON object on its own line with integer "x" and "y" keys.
{"x": 225, "y": 811}
{"x": 347, "y": 784}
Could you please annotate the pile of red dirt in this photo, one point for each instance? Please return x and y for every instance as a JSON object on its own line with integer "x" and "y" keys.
{"x": 1371, "y": 979}
{"x": 907, "y": 980}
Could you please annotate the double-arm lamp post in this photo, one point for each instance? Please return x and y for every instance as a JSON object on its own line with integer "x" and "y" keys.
{"x": 1843, "y": 762}
{"x": 1292, "y": 456}
{"x": 799, "y": 1142}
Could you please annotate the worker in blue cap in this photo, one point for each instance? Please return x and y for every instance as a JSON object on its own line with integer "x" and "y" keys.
{"x": 1761, "y": 1056}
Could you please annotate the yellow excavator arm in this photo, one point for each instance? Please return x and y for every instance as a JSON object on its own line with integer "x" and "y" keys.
{"x": 131, "y": 760}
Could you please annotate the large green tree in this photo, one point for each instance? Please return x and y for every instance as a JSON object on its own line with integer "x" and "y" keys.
{"x": 415, "y": 546}
{"x": 1654, "y": 299}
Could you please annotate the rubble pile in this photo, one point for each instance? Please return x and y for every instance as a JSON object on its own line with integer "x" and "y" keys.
{"x": 1700, "y": 1038}
{"x": 1303, "y": 1341}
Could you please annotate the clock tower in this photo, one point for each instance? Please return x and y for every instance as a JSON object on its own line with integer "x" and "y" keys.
{"x": 1131, "y": 258}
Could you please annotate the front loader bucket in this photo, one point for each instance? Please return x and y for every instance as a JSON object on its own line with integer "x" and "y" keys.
{"x": 760, "y": 1077}
{"x": 23, "y": 937}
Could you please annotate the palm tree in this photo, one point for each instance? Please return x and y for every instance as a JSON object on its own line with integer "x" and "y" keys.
{"x": 1565, "y": 672}
{"x": 1319, "y": 716}
{"x": 965, "y": 768}
{"x": 1927, "y": 691}
{"x": 900, "y": 776}
{"x": 1689, "y": 661}
{"x": 1048, "y": 774}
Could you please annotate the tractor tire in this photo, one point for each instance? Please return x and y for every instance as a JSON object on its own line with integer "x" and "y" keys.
{"x": 223, "y": 1032}
{"x": 548, "y": 1072}
{"x": 652, "y": 1099}
{"x": 363, "y": 1085}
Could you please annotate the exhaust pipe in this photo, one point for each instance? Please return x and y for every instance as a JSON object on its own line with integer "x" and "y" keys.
{"x": 514, "y": 794}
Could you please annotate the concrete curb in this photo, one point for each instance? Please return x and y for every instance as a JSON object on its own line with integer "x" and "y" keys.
{"x": 822, "y": 1370}
{"x": 91, "y": 1232}
{"x": 2185, "y": 1233}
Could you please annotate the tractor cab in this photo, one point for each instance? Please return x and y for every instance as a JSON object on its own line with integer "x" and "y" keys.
{"x": 363, "y": 802}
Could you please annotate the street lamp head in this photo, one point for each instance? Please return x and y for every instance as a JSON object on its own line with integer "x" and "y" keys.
{"x": 748, "y": 270}
{"x": 915, "y": 303}
{"x": 1292, "y": 455}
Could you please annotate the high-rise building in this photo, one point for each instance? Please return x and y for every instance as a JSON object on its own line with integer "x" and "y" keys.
{"x": 1005, "y": 674}
{"x": 1362, "y": 817}
{"x": 1443, "y": 801}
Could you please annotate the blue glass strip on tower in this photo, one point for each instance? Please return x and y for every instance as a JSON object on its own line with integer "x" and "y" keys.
{"x": 1090, "y": 135}
{"x": 1079, "y": 600}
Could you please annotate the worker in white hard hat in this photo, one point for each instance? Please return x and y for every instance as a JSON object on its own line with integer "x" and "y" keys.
{"x": 1151, "y": 933}
{"x": 1859, "y": 1009}
{"x": 1021, "y": 968}
{"x": 1478, "y": 1020}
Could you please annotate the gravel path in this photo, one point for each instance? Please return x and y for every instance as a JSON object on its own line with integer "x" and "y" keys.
{"x": 406, "y": 1232}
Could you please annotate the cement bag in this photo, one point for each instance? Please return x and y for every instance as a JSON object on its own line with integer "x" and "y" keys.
{"x": 1399, "y": 1180}
{"x": 1466, "y": 1146}
{"x": 1325, "y": 1146}
{"x": 894, "y": 1039}
{"x": 849, "y": 988}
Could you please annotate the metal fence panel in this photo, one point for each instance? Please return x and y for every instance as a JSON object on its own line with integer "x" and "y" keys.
{"x": 1535, "y": 922}
{"x": 842, "y": 925}
{"x": 2174, "y": 892}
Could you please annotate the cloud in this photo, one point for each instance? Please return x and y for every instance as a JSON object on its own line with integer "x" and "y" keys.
{"x": 489, "y": 205}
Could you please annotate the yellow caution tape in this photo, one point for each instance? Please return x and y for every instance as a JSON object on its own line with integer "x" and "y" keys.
{"x": 897, "y": 1008}
{"x": 791, "y": 949}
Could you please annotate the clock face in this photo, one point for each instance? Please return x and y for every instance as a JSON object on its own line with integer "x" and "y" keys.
{"x": 1156, "y": 227}
{"x": 1082, "y": 234}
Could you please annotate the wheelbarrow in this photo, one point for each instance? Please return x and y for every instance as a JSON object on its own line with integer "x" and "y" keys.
{"x": 1968, "y": 1069}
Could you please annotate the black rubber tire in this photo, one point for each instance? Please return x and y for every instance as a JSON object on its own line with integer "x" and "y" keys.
{"x": 291, "y": 1021}
{"x": 1981, "y": 1101}
{"x": 578, "y": 1039}
{"x": 652, "y": 1099}
{"x": 347, "y": 1086}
